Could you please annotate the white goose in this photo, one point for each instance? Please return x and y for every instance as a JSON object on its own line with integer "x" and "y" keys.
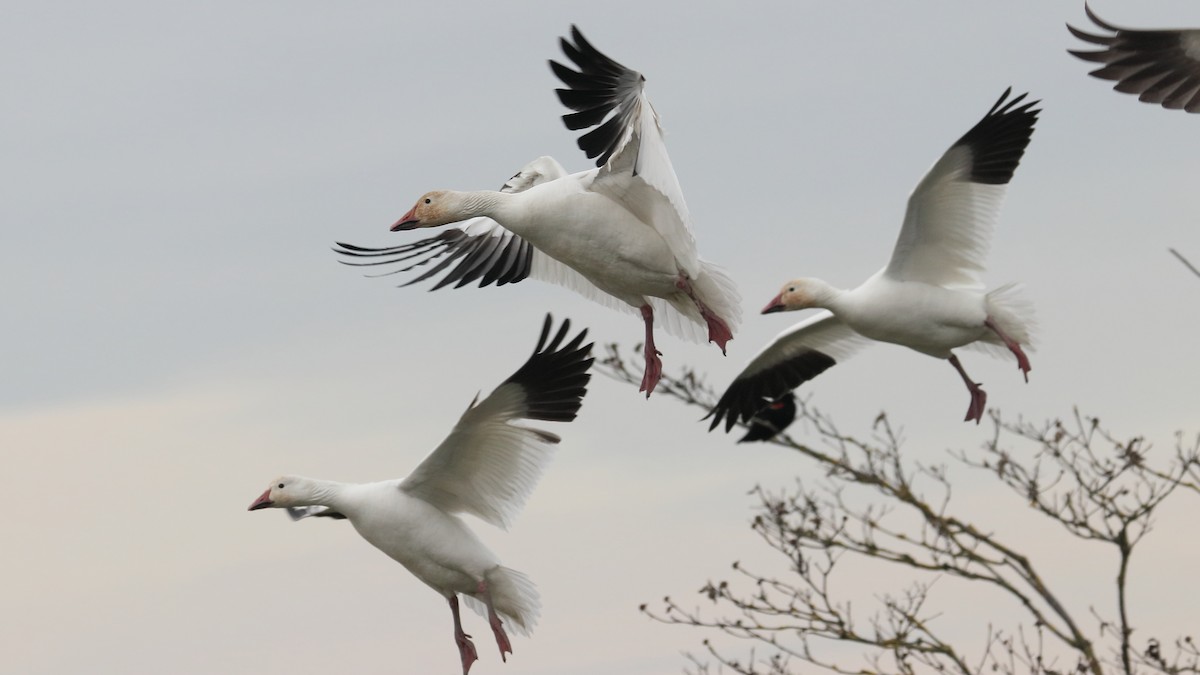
{"x": 930, "y": 297}
{"x": 1161, "y": 66}
{"x": 487, "y": 467}
{"x": 619, "y": 234}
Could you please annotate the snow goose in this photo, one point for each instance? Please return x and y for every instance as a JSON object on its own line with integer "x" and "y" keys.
{"x": 930, "y": 297}
{"x": 486, "y": 467}
{"x": 1161, "y": 66}
{"x": 619, "y": 234}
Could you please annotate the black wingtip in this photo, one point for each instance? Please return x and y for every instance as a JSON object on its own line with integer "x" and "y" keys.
{"x": 998, "y": 141}
{"x": 555, "y": 376}
{"x": 1097, "y": 20}
{"x": 1158, "y": 65}
{"x": 745, "y": 396}
{"x": 503, "y": 259}
{"x": 580, "y": 41}
{"x": 601, "y": 91}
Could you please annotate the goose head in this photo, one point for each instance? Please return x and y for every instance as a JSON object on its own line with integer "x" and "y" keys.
{"x": 799, "y": 294}
{"x": 439, "y": 207}
{"x": 285, "y": 491}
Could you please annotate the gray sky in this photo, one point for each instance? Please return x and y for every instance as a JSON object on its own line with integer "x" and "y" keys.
{"x": 177, "y": 331}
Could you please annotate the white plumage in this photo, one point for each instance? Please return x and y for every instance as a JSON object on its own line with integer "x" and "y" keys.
{"x": 619, "y": 234}
{"x": 487, "y": 466}
{"x": 930, "y": 296}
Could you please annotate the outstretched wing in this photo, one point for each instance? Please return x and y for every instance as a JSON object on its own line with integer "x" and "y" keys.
{"x": 488, "y": 465}
{"x": 479, "y": 248}
{"x": 627, "y": 143}
{"x": 948, "y": 225}
{"x": 1160, "y": 66}
{"x": 795, "y": 356}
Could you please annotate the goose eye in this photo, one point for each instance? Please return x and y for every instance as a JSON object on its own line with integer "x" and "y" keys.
{"x": 791, "y": 289}
{"x": 427, "y": 201}
{"x": 281, "y": 486}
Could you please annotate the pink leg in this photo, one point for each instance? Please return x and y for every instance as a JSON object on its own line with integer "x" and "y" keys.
{"x": 1022, "y": 360}
{"x": 494, "y": 621}
{"x": 718, "y": 330}
{"x": 653, "y": 371}
{"x": 978, "y": 395}
{"x": 466, "y": 649}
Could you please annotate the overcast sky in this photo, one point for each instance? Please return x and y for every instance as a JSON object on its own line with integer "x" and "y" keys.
{"x": 177, "y": 331}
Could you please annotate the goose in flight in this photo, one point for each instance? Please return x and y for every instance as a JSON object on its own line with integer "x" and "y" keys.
{"x": 486, "y": 467}
{"x": 930, "y": 296}
{"x": 619, "y": 233}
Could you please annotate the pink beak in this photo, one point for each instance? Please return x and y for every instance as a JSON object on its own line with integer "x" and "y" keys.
{"x": 407, "y": 221}
{"x": 263, "y": 501}
{"x": 775, "y": 305}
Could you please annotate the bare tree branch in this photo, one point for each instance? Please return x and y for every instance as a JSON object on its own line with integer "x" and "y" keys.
{"x": 1184, "y": 260}
{"x": 1097, "y": 487}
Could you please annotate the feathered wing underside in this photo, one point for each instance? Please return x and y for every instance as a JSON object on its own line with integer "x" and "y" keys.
{"x": 488, "y": 465}
{"x": 676, "y": 323}
{"x": 795, "y": 356}
{"x": 677, "y": 316}
{"x": 947, "y": 227}
{"x": 1160, "y": 66}
{"x": 481, "y": 249}
{"x": 476, "y": 249}
{"x": 626, "y": 142}
{"x": 951, "y": 213}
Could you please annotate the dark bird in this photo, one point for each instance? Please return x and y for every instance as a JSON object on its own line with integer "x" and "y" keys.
{"x": 771, "y": 419}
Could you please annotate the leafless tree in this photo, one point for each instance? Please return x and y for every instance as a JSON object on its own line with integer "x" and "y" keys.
{"x": 1096, "y": 487}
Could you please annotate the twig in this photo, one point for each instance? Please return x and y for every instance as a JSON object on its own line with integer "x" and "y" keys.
{"x": 1184, "y": 260}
